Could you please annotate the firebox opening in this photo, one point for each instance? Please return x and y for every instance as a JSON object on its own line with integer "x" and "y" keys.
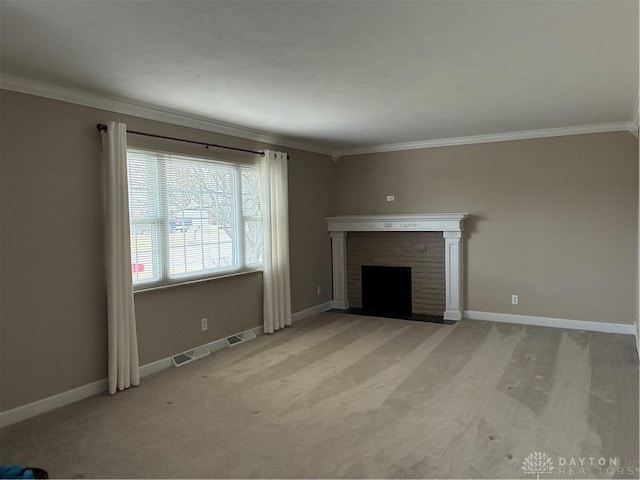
{"x": 386, "y": 290}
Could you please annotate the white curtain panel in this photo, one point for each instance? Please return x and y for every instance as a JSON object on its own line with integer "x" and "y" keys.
{"x": 277, "y": 285}
{"x": 123, "y": 343}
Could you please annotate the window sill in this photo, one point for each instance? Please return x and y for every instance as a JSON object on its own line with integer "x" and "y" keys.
{"x": 155, "y": 288}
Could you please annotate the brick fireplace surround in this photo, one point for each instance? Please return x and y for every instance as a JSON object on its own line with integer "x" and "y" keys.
{"x": 450, "y": 224}
{"x": 423, "y": 252}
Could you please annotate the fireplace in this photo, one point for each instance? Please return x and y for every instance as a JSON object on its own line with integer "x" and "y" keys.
{"x": 386, "y": 291}
{"x": 423, "y": 252}
{"x": 450, "y": 224}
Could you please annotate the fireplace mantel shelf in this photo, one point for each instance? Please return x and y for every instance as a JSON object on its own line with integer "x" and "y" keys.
{"x": 450, "y": 224}
{"x": 433, "y": 222}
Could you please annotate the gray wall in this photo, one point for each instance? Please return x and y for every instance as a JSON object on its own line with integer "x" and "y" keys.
{"x": 554, "y": 220}
{"x": 53, "y": 299}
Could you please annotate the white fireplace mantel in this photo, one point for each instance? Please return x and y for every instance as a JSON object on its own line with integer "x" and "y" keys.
{"x": 450, "y": 224}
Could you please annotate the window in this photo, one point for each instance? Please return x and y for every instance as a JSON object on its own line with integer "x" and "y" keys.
{"x": 191, "y": 218}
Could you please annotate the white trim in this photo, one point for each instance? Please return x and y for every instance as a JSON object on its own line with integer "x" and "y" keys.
{"x": 323, "y": 307}
{"x": 339, "y": 268}
{"x": 155, "y": 367}
{"x": 620, "y": 328}
{"x": 453, "y": 274}
{"x": 128, "y": 107}
{"x": 491, "y": 138}
{"x": 450, "y": 224}
{"x": 63, "y": 399}
{"x": 51, "y": 403}
{"x": 221, "y": 343}
{"x": 428, "y": 222}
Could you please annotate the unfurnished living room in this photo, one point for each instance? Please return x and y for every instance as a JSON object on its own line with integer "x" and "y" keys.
{"x": 319, "y": 239}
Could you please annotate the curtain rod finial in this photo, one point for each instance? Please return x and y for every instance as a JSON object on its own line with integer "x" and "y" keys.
{"x": 101, "y": 127}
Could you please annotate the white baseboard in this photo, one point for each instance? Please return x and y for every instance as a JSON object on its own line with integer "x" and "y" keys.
{"x": 453, "y": 315}
{"x": 323, "y": 307}
{"x": 63, "y": 399}
{"x": 340, "y": 304}
{"x": 620, "y": 328}
{"x": 51, "y": 403}
{"x": 155, "y": 367}
{"x": 71, "y": 396}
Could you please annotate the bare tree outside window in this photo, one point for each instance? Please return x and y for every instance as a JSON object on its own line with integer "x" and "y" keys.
{"x": 191, "y": 217}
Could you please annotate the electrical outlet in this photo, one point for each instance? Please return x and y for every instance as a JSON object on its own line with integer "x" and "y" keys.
{"x": 319, "y": 290}
{"x": 204, "y": 324}
{"x": 391, "y": 198}
{"x": 514, "y": 299}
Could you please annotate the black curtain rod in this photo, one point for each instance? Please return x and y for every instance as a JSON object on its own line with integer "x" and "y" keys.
{"x": 103, "y": 128}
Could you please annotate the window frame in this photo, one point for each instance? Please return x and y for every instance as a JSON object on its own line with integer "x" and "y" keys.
{"x": 160, "y": 229}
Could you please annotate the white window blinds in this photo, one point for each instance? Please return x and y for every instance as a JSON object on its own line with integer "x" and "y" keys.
{"x": 192, "y": 218}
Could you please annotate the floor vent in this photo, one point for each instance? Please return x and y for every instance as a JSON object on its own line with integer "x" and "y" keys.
{"x": 241, "y": 337}
{"x": 190, "y": 356}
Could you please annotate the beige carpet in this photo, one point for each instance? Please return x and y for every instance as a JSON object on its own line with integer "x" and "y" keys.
{"x": 351, "y": 397}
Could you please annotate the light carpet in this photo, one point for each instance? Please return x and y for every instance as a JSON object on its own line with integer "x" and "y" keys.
{"x": 345, "y": 396}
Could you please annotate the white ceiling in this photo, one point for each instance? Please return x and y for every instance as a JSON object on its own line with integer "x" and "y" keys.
{"x": 340, "y": 75}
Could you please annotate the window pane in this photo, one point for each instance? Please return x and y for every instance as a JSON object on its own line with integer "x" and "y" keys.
{"x": 253, "y": 246}
{"x": 202, "y": 230}
{"x": 251, "y": 192}
{"x": 199, "y": 249}
{"x": 143, "y": 242}
{"x": 142, "y": 185}
{"x": 189, "y": 214}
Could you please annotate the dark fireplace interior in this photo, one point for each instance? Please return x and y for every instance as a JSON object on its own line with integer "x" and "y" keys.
{"x": 386, "y": 290}
{"x": 397, "y": 275}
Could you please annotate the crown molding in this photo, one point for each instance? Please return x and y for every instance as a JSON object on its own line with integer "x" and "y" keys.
{"x": 127, "y": 107}
{"x": 491, "y": 138}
